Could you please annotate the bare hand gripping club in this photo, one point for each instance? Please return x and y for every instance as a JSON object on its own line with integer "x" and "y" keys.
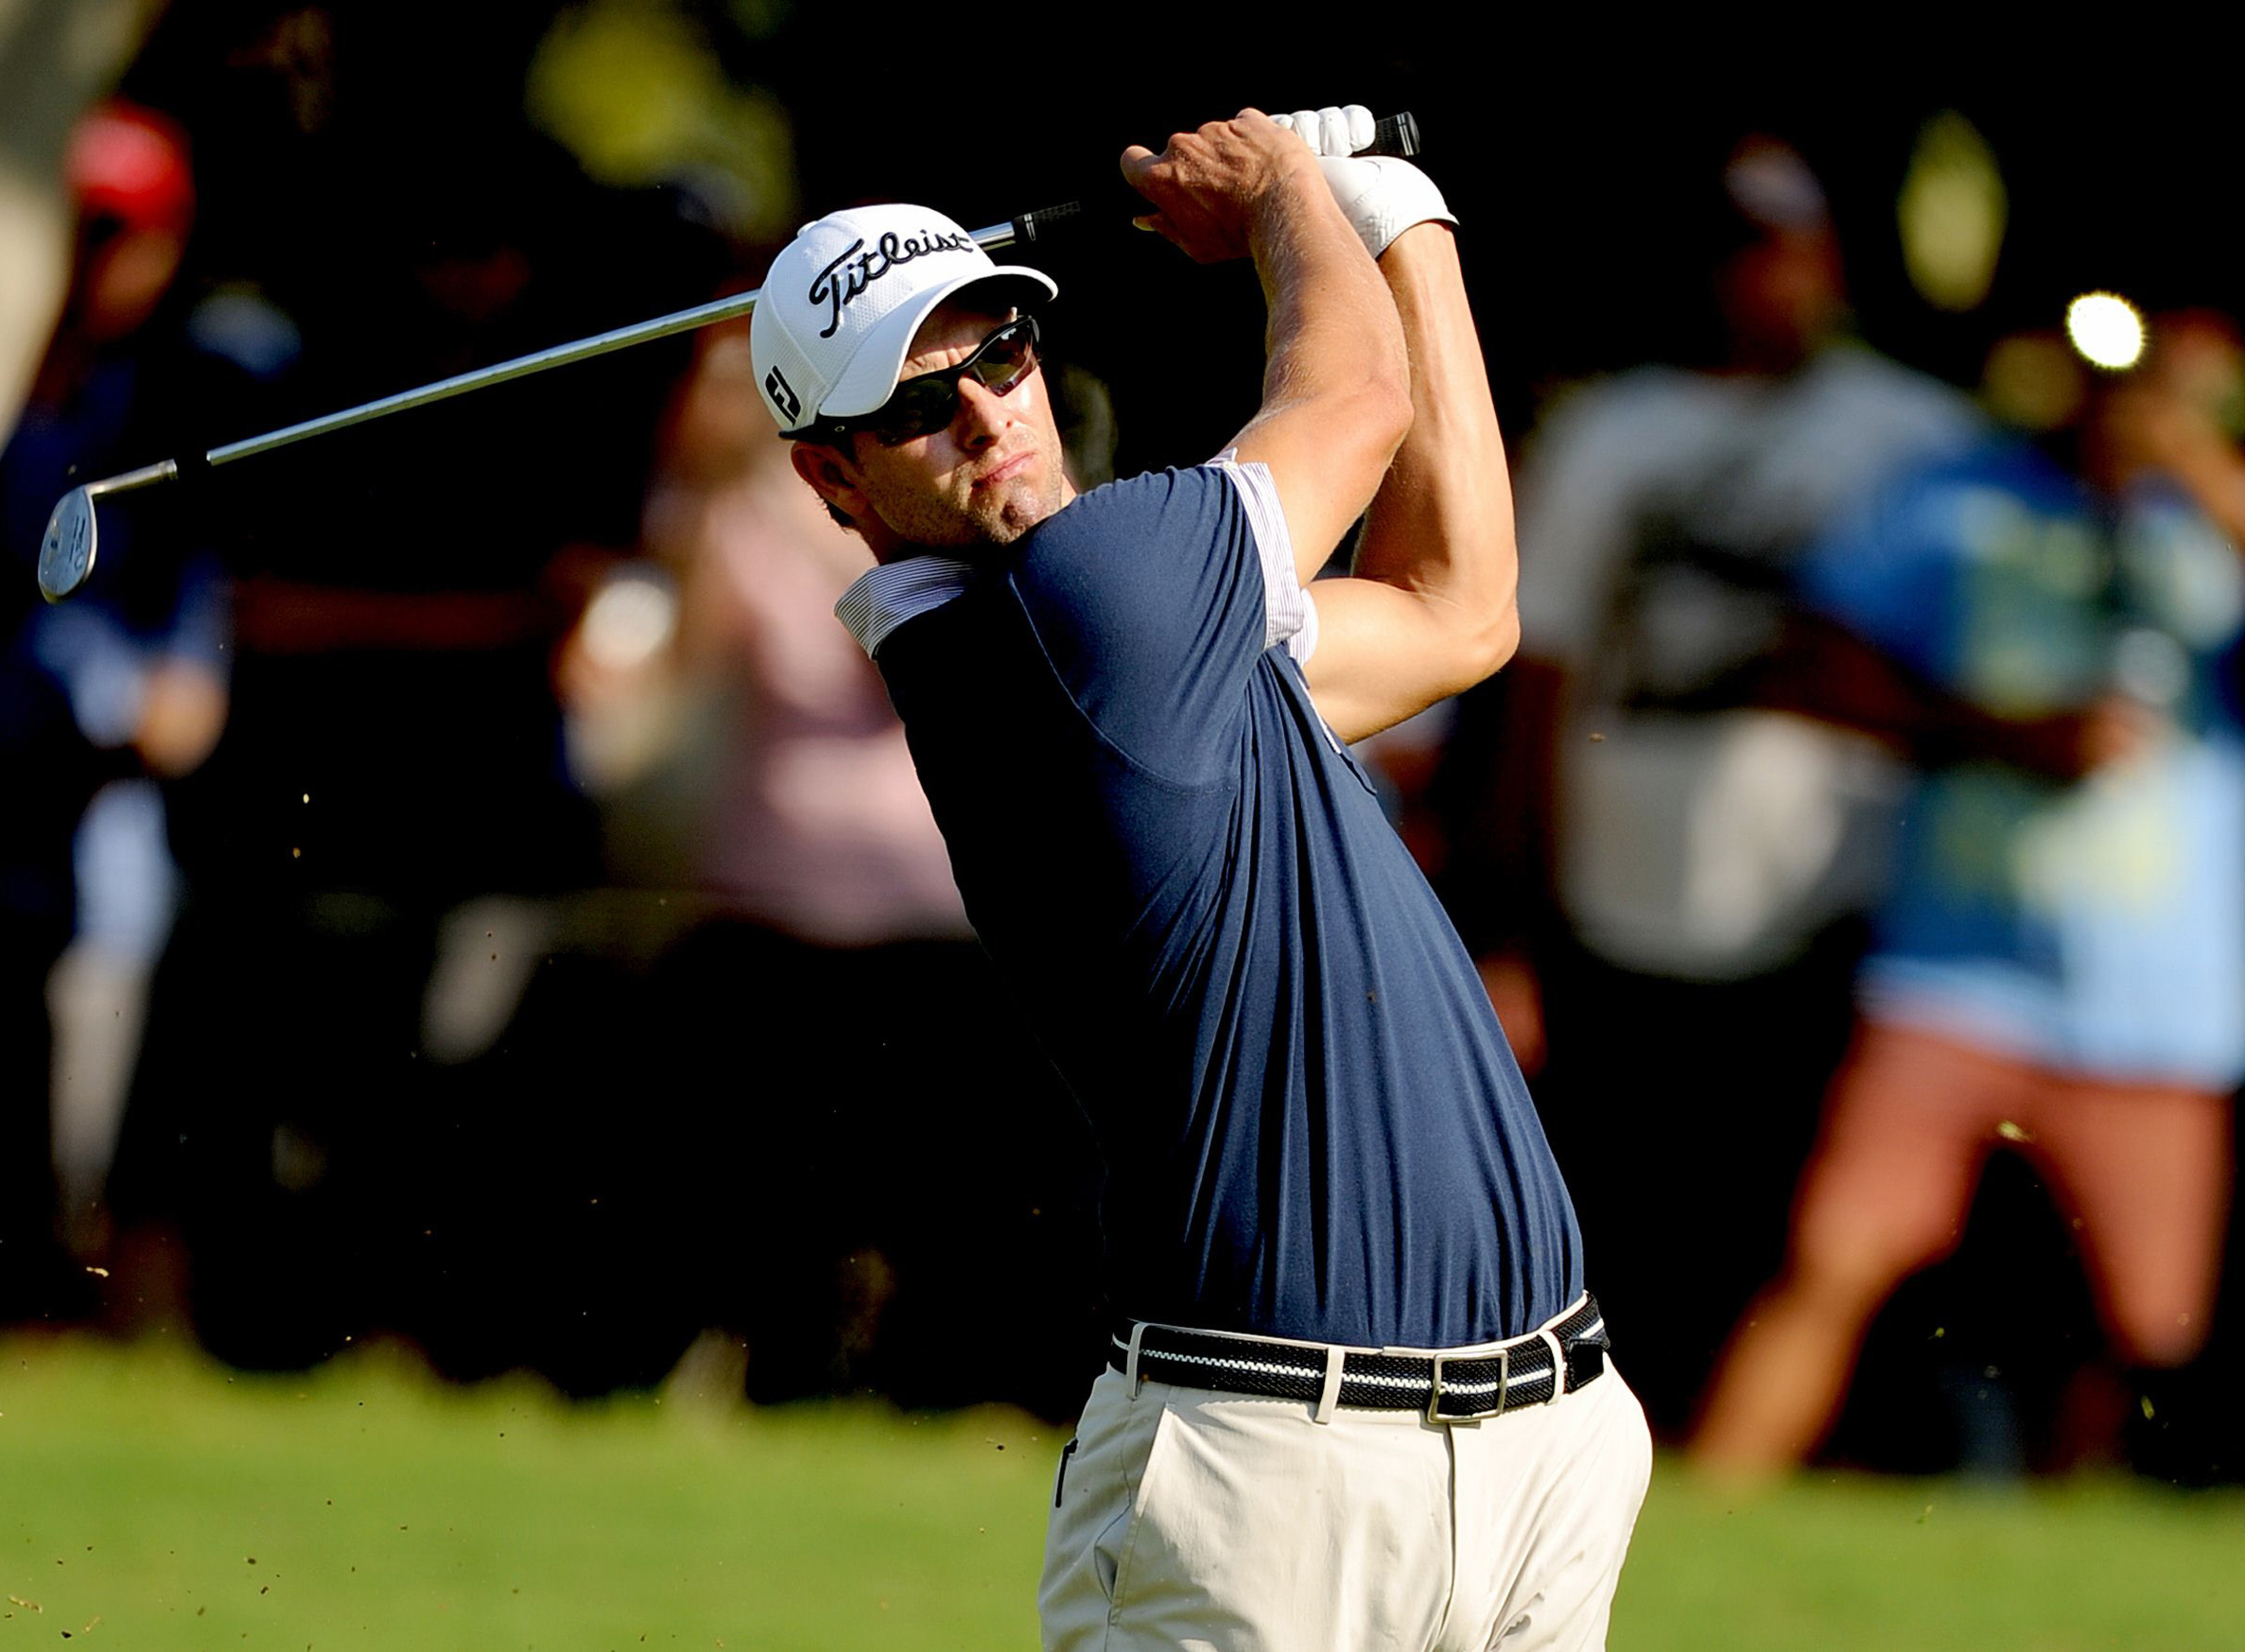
{"x": 66, "y": 552}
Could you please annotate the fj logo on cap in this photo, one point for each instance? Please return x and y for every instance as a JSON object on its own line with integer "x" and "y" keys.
{"x": 860, "y": 269}
{"x": 783, "y": 395}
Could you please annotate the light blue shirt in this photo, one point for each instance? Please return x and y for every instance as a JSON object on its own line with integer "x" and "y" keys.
{"x": 2097, "y": 927}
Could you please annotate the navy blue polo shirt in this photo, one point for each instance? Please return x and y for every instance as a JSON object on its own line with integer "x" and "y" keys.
{"x": 1313, "y": 1126}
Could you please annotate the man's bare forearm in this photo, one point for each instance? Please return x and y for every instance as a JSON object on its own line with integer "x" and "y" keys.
{"x": 1441, "y": 527}
{"x": 1332, "y": 327}
{"x": 1336, "y": 396}
{"x": 1430, "y": 608}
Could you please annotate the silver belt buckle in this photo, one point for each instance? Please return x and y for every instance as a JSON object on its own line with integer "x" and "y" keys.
{"x": 1488, "y": 1408}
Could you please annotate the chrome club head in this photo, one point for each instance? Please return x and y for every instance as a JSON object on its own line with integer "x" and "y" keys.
{"x": 66, "y": 554}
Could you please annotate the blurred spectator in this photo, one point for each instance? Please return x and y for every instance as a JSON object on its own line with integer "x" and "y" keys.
{"x": 57, "y": 59}
{"x": 815, "y": 823}
{"x": 2058, "y": 965}
{"x": 125, "y": 681}
{"x": 395, "y": 753}
{"x": 1661, "y": 873}
{"x": 853, "y": 1204}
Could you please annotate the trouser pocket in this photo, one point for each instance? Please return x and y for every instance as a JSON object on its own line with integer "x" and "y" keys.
{"x": 1061, "y": 1479}
{"x": 1097, "y": 1495}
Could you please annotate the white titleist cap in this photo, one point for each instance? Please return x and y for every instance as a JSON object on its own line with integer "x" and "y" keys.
{"x": 841, "y": 305}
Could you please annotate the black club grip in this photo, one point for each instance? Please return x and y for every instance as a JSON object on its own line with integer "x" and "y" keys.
{"x": 1392, "y": 134}
{"x": 1047, "y": 221}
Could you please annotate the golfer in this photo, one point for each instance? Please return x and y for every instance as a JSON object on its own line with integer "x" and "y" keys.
{"x": 1357, "y": 1395}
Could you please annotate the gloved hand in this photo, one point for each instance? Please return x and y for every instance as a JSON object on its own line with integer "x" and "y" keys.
{"x": 1330, "y": 131}
{"x": 1381, "y": 196}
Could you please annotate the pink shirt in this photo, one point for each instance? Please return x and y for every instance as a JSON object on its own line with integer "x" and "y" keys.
{"x": 817, "y": 820}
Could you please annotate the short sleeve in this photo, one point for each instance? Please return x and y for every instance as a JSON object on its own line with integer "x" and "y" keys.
{"x": 1155, "y": 599}
{"x": 1289, "y": 615}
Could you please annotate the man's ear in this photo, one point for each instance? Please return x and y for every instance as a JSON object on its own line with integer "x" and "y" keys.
{"x": 832, "y": 474}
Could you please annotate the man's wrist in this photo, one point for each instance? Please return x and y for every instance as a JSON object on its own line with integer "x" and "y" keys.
{"x": 1382, "y": 197}
{"x": 1287, "y": 211}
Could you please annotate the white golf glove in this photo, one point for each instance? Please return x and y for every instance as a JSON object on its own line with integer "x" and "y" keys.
{"x": 1330, "y": 131}
{"x": 1381, "y": 196}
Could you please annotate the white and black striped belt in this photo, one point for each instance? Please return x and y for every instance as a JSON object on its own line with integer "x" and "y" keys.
{"x": 1535, "y": 1370}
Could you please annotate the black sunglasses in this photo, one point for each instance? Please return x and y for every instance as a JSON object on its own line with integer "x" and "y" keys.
{"x": 929, "y": 401}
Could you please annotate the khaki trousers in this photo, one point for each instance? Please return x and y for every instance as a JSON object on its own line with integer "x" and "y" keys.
{"x": 1189, "y": 1519}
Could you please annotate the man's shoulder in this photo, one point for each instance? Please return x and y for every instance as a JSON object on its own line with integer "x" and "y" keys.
{"x": 1082, "y": 544}
{"x": 1126, "y": 499}
{"x": 1134, "y": 527}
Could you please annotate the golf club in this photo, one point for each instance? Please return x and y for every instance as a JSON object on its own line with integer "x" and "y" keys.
{"x": 73, "y": 535}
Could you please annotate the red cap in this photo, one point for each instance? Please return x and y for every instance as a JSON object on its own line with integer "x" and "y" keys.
{"x": 129, "y": 162}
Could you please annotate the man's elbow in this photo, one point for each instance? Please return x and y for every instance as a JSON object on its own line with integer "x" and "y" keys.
{"x": 1465, "y": 654}
{"x": 1389, "y": 413}
{"x": 1474, "y": 617}
{"x": 1370, "y": 421}
{"x": 1504, "y": 639}
{"x": 1373, "y": 422}
{"x": 1487, "y": 643}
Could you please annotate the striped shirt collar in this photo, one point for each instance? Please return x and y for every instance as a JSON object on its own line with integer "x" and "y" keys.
{"x": 888, "y": 594}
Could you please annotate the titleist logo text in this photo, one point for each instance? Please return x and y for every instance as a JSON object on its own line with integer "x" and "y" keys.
{"x": 839, "y": 283}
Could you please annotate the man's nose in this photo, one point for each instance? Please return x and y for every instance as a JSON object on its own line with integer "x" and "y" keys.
{"x": 983, "y": 415}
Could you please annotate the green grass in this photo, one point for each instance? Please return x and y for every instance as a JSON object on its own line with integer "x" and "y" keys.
{"x": 148, "y": 1500}
{"x": 1850, "y": 1564}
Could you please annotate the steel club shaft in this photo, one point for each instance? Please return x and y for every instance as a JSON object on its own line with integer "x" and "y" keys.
{"x": 67, "y": 551}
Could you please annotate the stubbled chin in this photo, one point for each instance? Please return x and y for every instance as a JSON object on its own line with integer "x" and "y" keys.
{"x": 1018, "y": 507}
